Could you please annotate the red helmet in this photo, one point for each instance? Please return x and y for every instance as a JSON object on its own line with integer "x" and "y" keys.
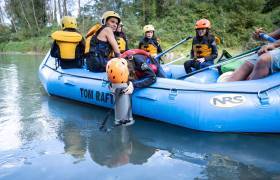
{"x": 203, "y": 24}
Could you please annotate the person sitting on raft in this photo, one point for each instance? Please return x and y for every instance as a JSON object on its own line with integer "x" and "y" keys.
{"x": 150, "y": 44}
{"x": 121, "y": 38}
{"x": 204, "y": 49}
{"x": 100, "y": 42}
{"x": 267, "y": 63}
{"x": 68, "y": 46}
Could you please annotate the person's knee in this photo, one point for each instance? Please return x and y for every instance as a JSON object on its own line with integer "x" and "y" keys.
{"x": 263, "y": 62}
{"x": 247, "y": 66}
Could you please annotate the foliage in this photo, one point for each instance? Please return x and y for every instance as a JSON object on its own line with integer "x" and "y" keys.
{"x": 233, "y": 21}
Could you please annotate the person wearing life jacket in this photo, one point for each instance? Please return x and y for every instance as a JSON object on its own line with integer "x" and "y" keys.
{"x": 100, "y": 42}
{"x": 140, "y": 73}
{"x": 68, "y": 46}
{"x": 204, "y": 49}
{"x": 121, "y": 38}
{"x": 149, "y": 42}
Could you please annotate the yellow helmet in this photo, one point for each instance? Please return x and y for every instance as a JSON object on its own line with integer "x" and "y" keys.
{"x": 108, "y": 14}
{"x": 148, "y": 27}
{"x": 68, "y": 22}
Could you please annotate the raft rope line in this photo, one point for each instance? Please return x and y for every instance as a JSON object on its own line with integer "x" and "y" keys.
{"x": 169, "y": 89}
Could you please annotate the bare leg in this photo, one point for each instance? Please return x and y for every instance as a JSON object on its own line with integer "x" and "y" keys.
{"x": 242, "y": 72}
{"x": 262, "y": 67}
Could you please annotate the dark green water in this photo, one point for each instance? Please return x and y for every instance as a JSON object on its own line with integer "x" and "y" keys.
{"x": 43, "y": 137}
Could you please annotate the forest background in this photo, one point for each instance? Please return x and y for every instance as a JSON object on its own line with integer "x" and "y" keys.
{"x": 26, "y": 25}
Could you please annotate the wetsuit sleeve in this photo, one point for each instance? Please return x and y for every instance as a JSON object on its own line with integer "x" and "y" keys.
{"x": 55, "y": 50}
{"x": 214, "y": 53}
{"x": 148, "y": 78}
{"x": 81, "y": 48}
{"x": 140, "y": 44}
{"x": 126, "y": 44}
{"x": 159, "y": 50}
{"x": 192, "y": 53}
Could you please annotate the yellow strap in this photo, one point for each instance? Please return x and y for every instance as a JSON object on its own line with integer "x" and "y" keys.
{"x": 87, "y": 47}
{"x": 93, "y": 29}
{"x": 67, "y": 36}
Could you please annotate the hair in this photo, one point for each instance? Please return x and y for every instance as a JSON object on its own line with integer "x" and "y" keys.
{"x": 131, "y": 69}
{"x": 208, "y": 33}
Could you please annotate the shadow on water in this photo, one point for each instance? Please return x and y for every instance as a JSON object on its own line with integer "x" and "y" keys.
{"x": 245, "y": 156}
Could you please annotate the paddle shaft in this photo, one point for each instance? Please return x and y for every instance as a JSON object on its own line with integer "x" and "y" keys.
{"x": 267, "y": 37}
{"x": 174, "y": 46}
{"x": 247, "y": 53}
{"x": 178, "y": 59}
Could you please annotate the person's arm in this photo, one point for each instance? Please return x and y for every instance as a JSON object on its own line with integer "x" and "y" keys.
{"x": 269, "y": 47}
{"x": 55, "y": 50}
{"x": 81, "y": 48}
{"x": 275, "y": 34}
{"x": 140, "y": 44}
{"x": 111, "y": 39}
{"x": 126, "y": 43}
{"x": 192, "y": 52}
{"x": 159, "y": 50}
{"x": 148, "y": 78}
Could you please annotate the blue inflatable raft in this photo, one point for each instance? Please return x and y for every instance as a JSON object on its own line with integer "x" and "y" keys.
{"x": 196, "y": 102}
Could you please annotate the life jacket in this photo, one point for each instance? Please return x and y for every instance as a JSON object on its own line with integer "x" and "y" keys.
{"x": 150, "y": 45}
{"x": 90, "y": 34}
{"x": 218, "y": 40}
{"x": 121, "y": 43}
{"x": 202, "y": 46}
{"x": 95, "y": 46}
{"x": 67, "y": 43}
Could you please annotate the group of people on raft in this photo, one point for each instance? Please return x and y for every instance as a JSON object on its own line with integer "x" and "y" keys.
{"x": 107, "y": 40}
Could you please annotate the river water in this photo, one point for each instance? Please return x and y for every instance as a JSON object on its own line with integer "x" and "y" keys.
{"x": 43, "y": 137}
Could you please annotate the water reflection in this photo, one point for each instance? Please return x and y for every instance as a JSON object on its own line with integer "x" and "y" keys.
{"x": 118, "y": 148}
{"x": 212, "y": 155}
{"x": 79, "y": 133}
{"x": 40, "y": 134}
{"x": 224, "y": 154}
{"x": 10, "y": 115}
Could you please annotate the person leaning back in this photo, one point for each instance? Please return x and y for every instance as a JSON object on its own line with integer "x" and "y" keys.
{"x": 100, "y": 42}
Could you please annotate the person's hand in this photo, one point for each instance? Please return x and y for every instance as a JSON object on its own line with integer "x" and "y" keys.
{"x": 201, "y": 60}
{"x": 266, "y": 48}
{"x": 153, "y": 55}
{"x": 113, "y": 90}
{"x": 256, "y": 34}
{"x": 129, "y": 89}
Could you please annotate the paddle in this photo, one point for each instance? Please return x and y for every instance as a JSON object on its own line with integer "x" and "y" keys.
{"x": 178, "y": 59}
{"x": 232, "y": 59}
{"x": 267, "y": 37}
{"x": 174, "y": 46}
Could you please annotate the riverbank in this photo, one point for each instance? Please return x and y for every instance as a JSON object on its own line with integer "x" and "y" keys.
{"x": 37, "y": 45}
{"x": 41, "y": 45}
